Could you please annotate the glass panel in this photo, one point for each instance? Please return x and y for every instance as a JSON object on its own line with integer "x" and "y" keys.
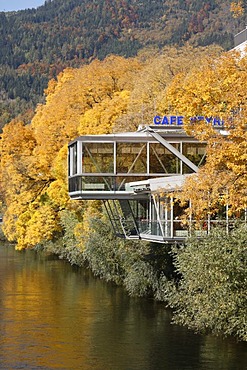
{"x": 179, "y": 229}
{"x": 69, "y": 162}
{"x": 73, "y": 159}
{"x": 187, "y": 169}
{"x": 195, "y": 152}
{"x": 122, "y": 180}
{"x": 114, "y": 213}
{"x": 128, "y": 220}
{"x": 98, "y": 158}
{"x": 75, "y": 184}
{"x": 155, "y": 226}
{"x": 97, "y": 183}
{"x": 140, "y": 209}
{"x": 161, "y": 160}
{"x": 131, "y": 158}
{"x": 107, "y": 183}
{"x": 101, "y": 183}
{"x": 166, "y": 215}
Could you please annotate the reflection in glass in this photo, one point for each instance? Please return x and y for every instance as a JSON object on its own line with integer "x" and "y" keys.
{"x": 195, "y": 152}
{"x": 101, "y": 183}
{"x": 73, "y": 159}
{"x": 131, "y": 157}
{"x": 161, "y": 160}
{"x": 98, "y": 158}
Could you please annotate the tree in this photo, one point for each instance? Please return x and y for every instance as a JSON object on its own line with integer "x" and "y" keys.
{"x": 152, "y": 81}
{"x": 238, "y": 8}
{"x": 211, "y": 294}
{"x": 34, "y": 157}
{"x": 215, "y": 89}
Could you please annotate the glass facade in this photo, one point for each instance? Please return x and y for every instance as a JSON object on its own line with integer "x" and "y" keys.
{"x": 97, "y": 157}
{"x": 131, "y": 158}
{"x": 101, "y": 183}
{"x": 73, "y": 160}
{"x": 161, "y": 160}
{"x": 104, "y": 163}
{"x": 101, "y": 166}
{"x": 195, "y": 152}
{"x": 154, "y": 217}
{"x": 108, "y": 166}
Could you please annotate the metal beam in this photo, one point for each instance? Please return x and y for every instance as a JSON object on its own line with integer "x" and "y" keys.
{"x": 174, "y": 151}
{"x": 158, "y": 215}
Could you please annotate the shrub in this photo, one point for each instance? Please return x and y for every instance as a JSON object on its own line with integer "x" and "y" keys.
{"x": 212, "y": 293}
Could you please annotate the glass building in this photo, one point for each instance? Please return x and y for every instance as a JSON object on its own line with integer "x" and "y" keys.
{"x": 100, "y": 166}
{"x": 134, "y": 174}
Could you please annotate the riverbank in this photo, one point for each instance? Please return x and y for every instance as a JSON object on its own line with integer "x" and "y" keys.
{"x": 204, "y": 282}
{"x": 56, "y": 316}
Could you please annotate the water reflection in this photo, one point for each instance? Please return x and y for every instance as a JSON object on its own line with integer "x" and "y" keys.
{"x": 54, "y": 316}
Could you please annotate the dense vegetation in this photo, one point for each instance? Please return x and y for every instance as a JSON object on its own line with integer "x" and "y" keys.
{"x": 117, "y": 94}
{"x": 37, "y": 44}
{"x": 204, "y": 282}
{"x": 211, "y": 295}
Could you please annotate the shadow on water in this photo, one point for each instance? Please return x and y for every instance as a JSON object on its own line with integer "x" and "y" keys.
{"x": 56, "y": 316}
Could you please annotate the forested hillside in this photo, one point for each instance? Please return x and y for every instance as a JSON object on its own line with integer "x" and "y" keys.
{"x": 37, "y": 44}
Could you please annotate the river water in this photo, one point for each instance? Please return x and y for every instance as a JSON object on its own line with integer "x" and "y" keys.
{"x": 55, "y": 316}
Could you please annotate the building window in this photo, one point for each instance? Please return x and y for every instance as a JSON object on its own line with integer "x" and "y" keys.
{"x": 196, "y": 153}
{"x": 73, "y": 160}
{"x": 131, "y": 158}
{"x": 98, "y": 158}
{"x": 161, "y": 160}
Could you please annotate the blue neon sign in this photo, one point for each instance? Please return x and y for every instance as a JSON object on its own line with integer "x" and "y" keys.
{"x": 178, "y": 120}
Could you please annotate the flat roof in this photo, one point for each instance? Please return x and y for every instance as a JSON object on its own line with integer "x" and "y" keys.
{"x": 175, "y": 133}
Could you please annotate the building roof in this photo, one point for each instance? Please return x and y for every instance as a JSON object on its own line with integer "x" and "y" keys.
{"x": 240, "y": 41}
{"x": 142, "y": 135}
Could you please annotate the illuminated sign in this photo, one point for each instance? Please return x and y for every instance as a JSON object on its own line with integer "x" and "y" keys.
{"x": 178, "y": 120}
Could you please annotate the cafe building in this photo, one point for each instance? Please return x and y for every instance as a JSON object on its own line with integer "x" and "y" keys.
{"x": 135, "y": 175}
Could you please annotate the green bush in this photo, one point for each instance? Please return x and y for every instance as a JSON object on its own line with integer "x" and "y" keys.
{"x": 211, "y": 295}
{"x": 102, "y": 252}
{"x": 143, "y": 269}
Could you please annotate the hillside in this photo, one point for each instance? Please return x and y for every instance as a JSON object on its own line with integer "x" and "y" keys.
{"x": 36, "y": 44}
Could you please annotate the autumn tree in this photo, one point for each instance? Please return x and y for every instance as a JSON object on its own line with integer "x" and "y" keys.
{"x": 34, "y": 157}
{"x": 152, "y": 81}
{"x": 215, "y": 89}
{"x": 238, "y": 8}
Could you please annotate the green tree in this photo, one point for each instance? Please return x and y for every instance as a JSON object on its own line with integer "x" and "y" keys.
{"x": 211, "y": 295}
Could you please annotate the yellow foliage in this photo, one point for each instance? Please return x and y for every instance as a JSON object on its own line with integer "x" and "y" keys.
{"x": 216, "y": 89}
{"x": 35, "y": 226}
{"x": 82, "y": 229}
{"x": 34, "y": 157}
{"x": 104, "y": 95}
{"x": 237, "y": 8}
{"x": 79, "y": 231}
{"x": 148, "y": 95}
{"x": 93, "y": 210}
{"x": 102, "y": 117}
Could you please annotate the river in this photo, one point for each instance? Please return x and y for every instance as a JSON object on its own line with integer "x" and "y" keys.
{"x": 56, "y": 316}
